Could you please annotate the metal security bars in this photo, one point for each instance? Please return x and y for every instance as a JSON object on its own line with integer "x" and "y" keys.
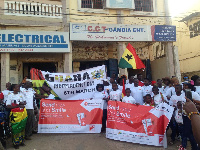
{"x": 32, "y": 9}
{"x": 144, "y": 5}
{"x": 95, "y": 4}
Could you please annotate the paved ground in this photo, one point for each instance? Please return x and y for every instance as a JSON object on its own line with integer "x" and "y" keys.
{"x": 81, "y": 142}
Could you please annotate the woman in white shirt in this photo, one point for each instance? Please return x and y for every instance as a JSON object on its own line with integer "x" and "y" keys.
{"x": 17, "y": 102}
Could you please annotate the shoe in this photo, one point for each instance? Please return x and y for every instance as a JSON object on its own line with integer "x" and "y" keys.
{"x": 27, "y": 138}
{"x": 16, "y": 146}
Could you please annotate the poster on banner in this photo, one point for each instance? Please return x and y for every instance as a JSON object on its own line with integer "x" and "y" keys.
{"x": 70, "y": 86}
{"x": 66, "y": 116}
{"x": 138, "y": 124}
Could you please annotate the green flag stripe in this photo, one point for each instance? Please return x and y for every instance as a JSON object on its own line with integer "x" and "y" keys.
{"x": 124, "y": 64}
{"x": 19, "y": 126}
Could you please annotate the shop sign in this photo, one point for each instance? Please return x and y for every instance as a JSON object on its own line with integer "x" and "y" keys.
{"x": 33, "y": 41}
{"x": 120, "y": 32}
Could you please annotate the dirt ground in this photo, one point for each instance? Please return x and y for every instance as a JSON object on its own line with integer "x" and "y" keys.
{"x": 82, "y": 142}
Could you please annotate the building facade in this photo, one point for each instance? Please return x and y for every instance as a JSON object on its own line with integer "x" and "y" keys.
{"x": 73, "y": 35}
{"x": 188, "y": 39}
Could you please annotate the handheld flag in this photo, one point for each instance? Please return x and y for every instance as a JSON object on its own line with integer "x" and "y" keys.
{"x": 130, "y": 59}
{"x": 123, "y": 90}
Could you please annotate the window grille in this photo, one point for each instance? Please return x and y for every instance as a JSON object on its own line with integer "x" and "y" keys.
{"x": 95, "y": 4}
{"x": 144, "y": 5}
{"x": 32, "y": 9}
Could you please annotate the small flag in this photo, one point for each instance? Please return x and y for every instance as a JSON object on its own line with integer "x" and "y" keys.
{"x": 123, "y": 90}
{"x": 130, "y": 59}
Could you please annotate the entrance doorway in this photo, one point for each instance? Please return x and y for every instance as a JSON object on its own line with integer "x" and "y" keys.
{"x": 47, "y": 66}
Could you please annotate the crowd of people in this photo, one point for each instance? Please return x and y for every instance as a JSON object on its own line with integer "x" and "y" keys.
{"x": 138, "y": 91}
{"x": 141, "y": 91}
{"x": 15, "y": 98}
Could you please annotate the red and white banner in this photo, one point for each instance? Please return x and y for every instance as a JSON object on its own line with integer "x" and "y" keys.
{"x": 138, "y": 124}
{"x": 70, "y": 116}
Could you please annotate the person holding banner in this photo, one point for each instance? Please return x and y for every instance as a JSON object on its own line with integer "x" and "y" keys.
{"x": 115, "y": 94}
{"x": 18, "y": 116}
{"x": 158, "y": 97}
{"x": 128, "y": 98}
{"x": 101, "y": 94}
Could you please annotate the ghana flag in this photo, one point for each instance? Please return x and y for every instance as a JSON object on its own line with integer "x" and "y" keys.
{"x": 18, "y": 118}
{"x": 130, "y": 59}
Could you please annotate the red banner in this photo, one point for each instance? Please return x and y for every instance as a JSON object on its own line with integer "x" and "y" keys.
{"x": 138, "y": 124}
{"x": 70, "y": 116}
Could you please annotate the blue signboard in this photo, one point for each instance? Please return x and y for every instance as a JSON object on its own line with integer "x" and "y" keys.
{"x": 164, "y": 33}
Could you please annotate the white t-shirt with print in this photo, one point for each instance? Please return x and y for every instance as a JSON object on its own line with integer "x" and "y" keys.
{"x": 115, "y": 95}
{"x": 15, "y": 98}
{"x": 129, "y": 99}
{"x": 130, "y": 86}
{"x": 5, "y": 94}
{"x": 147, "y": 90}
{"x": 29, "y": 95}
{"x": 101, "y": 95}
{"x": 174, "y": 99}
{"x": 161, "y": 89}
{"x": 137, "y": 93}
{"x": 158, "y": 98}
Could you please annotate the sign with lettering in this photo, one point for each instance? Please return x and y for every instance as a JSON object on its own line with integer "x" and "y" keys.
{"x": 77, "y": 116}
{"x": 33, "y": 41}
{"x": 138, "y": 124}
{"x": 70, "y": 86}
{"x": 109, "y": 32}
{"x": 120, "y": 32}
{"x": 163, "y": 33}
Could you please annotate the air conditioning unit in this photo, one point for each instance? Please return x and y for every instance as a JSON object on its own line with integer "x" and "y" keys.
{"x": 120, "y": 4}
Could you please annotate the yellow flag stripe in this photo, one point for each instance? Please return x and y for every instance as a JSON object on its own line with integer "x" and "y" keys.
{"x": 19, "y": 116}
{"x": 131, "y": 61}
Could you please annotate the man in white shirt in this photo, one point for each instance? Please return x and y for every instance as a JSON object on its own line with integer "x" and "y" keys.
{"x": 130, "y": 84}
{"x": 137, "y": 92}
{"x": 147, "y": 87}
{"x": 160, "y": 87}
{"x": 28, "y": 93}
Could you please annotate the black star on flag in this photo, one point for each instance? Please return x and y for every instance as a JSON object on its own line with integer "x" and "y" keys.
{"x": 12, "y": 118}
{"x": 129, "y": 57}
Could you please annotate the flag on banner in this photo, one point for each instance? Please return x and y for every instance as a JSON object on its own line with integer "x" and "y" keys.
{"x": 39, "y": 82}
{"x": 130, "y": 59}
{"x": 18, "y": 118}
{"x": 123, "y": 90}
